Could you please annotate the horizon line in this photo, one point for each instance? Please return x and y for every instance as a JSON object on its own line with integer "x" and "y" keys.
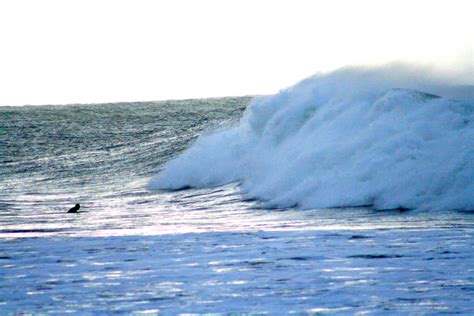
{"x": 136, "y": 101}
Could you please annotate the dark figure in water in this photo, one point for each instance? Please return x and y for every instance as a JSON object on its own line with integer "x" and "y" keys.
{"x": 74, "y": 209}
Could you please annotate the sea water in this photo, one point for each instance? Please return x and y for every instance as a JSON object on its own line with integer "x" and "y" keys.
{"x": 220, "y": 205}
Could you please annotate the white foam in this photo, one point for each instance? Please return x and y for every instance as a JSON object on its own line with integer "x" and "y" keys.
{"x": 371, "y": 136}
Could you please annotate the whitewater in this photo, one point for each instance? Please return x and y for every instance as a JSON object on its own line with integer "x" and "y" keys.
{"x": 392, "y": 137}
{"x": 348, "y": 193}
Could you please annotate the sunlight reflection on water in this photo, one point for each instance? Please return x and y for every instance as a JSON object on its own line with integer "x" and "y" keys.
{"x": 148, "y": 213}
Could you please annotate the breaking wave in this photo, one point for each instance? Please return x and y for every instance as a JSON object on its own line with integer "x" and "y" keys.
{"x": 391, "y": 137}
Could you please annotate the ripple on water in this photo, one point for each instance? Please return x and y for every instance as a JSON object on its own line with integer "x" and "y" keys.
{"x": 261, "y": 272}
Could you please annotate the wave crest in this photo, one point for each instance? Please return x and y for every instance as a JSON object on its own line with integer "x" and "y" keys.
{"x": 351, "y": 137}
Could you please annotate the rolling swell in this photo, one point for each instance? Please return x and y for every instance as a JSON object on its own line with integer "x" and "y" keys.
{"x": 88, "y": 152}
{"x": 392, "y": 137}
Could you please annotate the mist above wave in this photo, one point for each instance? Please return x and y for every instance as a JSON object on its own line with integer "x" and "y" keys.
{"x": 393, "y": 137}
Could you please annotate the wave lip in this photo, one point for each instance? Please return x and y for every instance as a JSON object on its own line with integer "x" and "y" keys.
{"x": 349, "y": 138}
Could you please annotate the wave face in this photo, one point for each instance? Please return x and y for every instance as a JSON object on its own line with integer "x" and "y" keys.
{"x": 348, "y": 138}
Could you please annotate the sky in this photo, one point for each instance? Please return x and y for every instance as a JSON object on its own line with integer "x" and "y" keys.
{"x": 67, "y": 51}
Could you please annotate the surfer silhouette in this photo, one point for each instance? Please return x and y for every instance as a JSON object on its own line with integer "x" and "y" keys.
{"x": 74, "y": 209}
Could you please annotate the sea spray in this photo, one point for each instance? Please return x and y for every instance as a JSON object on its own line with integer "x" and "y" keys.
{"x": 391, "y": 137}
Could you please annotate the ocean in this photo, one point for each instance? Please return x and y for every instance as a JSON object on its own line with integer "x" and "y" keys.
{"x": 241, "y": 205}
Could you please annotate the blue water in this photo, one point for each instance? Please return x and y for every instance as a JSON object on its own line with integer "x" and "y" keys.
{"x": 132, "y": 249}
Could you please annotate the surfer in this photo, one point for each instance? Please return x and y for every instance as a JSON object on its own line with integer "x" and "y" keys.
{"x": 74, "y": 209}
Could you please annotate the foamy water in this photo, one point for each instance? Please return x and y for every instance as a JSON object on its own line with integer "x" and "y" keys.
{"x": 354, "y": 137}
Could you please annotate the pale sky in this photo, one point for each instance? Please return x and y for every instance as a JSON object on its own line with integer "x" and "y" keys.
{"x": 57, "y": 52}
